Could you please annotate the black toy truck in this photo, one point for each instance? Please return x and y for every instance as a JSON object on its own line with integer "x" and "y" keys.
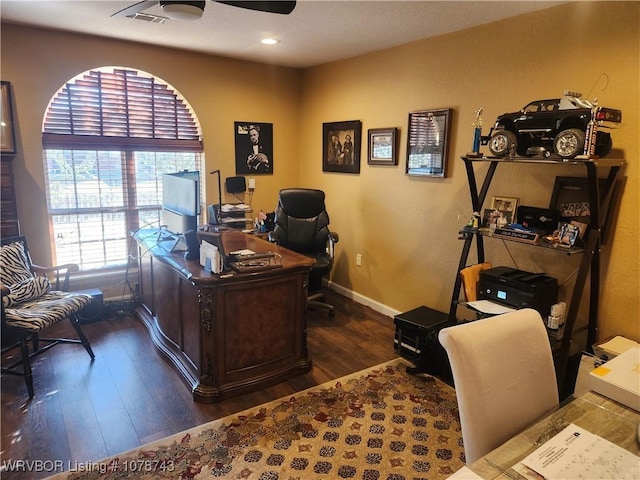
{"x": 558, "y": 125}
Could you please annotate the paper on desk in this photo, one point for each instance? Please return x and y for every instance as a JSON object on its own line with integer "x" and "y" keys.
{"x": 230, "y": 207}
{"x": 210, "y": 257}
{"x": 244, "y": 251}
{"x": 577, "y": 453}
{"x": 487, "y": 306}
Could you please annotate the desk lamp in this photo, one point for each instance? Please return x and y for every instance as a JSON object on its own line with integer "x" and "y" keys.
{"x": 215, "y": 217}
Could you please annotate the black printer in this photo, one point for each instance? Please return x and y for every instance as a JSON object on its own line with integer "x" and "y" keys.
{"x": 519, "y": 289}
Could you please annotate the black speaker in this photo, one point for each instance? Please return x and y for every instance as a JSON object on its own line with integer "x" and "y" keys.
{"x": 193, "y": 245}
{"x": 236, "y": 184}
{"x": 93, "y": 311}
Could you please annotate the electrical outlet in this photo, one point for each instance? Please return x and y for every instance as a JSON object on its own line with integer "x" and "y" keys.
{"x": 358, "y": 259}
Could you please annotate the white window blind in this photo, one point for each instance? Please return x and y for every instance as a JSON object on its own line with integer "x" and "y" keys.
{"x": 108, "y": 136}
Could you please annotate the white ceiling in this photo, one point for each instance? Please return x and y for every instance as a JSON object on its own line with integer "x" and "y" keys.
{"x": 316, "y": 32}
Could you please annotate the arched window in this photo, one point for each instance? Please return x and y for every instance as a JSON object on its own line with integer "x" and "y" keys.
{"x": 108, "y": 136}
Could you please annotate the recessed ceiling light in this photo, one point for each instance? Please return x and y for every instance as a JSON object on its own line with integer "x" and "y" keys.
{"x": 269, "y": 41}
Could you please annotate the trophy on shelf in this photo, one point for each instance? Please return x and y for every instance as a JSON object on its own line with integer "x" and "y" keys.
{"x": 591, "y": 134}
{"x": 477, "y": 134}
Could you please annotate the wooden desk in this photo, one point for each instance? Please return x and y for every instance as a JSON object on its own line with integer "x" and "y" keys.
{"x": 228, "y": 335}
{"x": 591, "y": 411}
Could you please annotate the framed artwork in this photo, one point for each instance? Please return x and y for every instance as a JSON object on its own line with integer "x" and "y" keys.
{"x": 505, "y": 207}
{"x": 341, "y": 145}
{"x": 254, "y": 148}
{"x": 8, "y": 136}
{"x": 382, "y": 146}
{"x": 427, "y": 142}
{"x": 571, "y": 198}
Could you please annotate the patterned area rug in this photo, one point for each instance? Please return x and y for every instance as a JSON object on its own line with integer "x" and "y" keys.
{"x": 377, "y": 424}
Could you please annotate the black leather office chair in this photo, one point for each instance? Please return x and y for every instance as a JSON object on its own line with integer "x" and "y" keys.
{"x": 302, "y": 225}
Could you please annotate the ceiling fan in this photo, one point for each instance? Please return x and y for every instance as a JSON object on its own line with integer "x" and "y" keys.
{"x": 192, "y": 10}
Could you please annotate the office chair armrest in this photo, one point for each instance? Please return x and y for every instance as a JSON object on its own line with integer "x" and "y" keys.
{"x": 272, "y": 236}
{"x": 60, "y": 273}
{"x": 332, "y": 240}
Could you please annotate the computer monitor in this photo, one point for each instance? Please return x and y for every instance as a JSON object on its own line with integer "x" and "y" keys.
{"x": 181, "y": 201}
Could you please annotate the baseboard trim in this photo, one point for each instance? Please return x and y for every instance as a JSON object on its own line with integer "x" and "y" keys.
{"x": 363, "y": 300}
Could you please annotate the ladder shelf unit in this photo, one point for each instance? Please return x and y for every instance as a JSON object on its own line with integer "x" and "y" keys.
{"x": 601, "y": 196}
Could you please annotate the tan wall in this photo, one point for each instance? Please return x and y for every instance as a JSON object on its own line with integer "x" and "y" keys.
{"x": 404, "y": 227}
{"x": 220, "y": 90}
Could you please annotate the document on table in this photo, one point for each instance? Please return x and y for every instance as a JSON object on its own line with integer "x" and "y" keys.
{"x": 578, "y": 454}
{"x": 487, "y": 306}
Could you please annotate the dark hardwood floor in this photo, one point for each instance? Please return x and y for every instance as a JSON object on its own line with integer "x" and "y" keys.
{"x": 84, "y": 411}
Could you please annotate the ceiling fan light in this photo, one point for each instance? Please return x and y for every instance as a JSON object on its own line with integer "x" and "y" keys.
{"x": 182, "y": 10}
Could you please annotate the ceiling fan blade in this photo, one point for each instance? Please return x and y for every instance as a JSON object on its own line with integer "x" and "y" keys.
{"x": 135, "y": 8}
{"x": 281, "y": 7}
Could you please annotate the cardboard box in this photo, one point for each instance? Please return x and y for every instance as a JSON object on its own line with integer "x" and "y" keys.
{"x": 619, "y": 378}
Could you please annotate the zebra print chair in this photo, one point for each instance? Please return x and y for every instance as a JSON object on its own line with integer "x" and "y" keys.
{"x": 31, "y": 303}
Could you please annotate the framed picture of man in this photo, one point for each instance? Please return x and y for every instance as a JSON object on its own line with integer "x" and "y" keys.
{"x": 341, "y": 146}
{"x": 254, "y": 148}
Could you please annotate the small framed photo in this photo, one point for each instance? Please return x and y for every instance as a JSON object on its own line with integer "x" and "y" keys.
{"x": 427, "y": 142}
{"x": 8, "y": 136}
{"x": 382, "y": 146}
{"x": 491, "y": 218}
{"x": 506, "y": 206}
{"x": 341, "y": 144}
{"x": 569, "y": 233}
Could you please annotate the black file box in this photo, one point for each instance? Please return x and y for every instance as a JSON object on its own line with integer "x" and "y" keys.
{"x": 416, "y": 339}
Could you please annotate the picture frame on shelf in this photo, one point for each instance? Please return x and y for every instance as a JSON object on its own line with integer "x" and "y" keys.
{"x": 490, "y": 218}
{"x": 507, "y": 206}
{"x": 382, "y": 146}
{"x": 569, "y": 234}
{"x": 427, "y": 143}
{"x": 7, "y": 128}
{"x": 570, "y": 197}
{"x": 341, "y": 146}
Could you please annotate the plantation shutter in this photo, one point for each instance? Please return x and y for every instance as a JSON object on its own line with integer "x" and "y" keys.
{"x": 120, "y": 110}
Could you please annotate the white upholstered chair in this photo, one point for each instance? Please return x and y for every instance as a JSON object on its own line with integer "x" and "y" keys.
{"x": 504, "y": 377}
